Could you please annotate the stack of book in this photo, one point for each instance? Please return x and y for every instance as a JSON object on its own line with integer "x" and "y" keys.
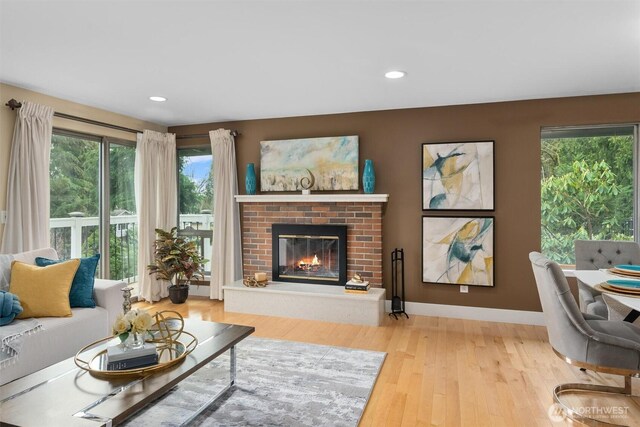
{"x": 356, "y": 287}
{"x": 119, "y": 358}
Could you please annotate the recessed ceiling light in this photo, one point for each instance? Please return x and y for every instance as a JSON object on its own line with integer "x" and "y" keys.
{"x": 158, "y": 98}
{"x": 394, "y": 74}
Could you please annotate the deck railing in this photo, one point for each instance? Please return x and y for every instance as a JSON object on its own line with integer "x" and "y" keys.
{"x": 77, "y": 237}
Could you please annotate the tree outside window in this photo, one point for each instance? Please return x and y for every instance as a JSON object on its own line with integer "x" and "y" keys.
{"x": 587, "y": 189}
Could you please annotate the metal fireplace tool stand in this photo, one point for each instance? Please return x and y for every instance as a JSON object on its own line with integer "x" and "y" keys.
{"x": 397, "y": 302}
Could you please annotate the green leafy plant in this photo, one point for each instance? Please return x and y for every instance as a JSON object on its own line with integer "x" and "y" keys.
{"x": 586, "y": 192}
{"x": 176, "y": 256}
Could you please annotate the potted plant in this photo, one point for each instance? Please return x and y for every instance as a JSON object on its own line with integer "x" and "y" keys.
{"x": 176, "y": 260}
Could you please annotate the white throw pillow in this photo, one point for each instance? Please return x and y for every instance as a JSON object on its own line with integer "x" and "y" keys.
{"x": 5, "y": 271}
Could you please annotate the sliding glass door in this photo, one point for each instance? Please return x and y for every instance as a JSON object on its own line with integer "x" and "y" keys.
{"x": 195, "y": 197}
{"x": 123, "y": 223}
{"x": 75, "y": 195}
{"x": 92, "y": 204}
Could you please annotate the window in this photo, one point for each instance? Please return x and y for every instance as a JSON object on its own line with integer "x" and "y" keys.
{"x": 588, "y": 187}
{"x": 195, "y": 195}
{"x": 123, "y": 223}
{"x": 74, "y": 208}
{"x": 79, "y": 225}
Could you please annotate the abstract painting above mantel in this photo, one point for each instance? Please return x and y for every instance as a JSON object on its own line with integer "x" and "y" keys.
{"x": 458, "y": 250}
{"x": 458, "y": 176}
{"x": 326, "y": 164}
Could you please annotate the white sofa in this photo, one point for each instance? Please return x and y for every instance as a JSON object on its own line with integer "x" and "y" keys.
{"x": 62, "y": 337}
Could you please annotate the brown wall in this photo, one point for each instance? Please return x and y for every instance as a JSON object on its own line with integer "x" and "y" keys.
{"x": 393, "y": 138}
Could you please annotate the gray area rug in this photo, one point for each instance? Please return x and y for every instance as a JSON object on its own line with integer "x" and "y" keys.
{"x": 278, "y": 383}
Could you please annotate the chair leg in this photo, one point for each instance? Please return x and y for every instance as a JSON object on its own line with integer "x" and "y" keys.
{"x": 576, "y": 416}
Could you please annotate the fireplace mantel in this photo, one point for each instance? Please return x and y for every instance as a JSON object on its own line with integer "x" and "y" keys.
{"x": 312, "y": 198}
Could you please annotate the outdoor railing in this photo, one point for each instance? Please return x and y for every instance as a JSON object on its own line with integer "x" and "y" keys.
{"x": 77, "y": 237}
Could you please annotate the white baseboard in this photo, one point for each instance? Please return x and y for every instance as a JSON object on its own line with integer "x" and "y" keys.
{"x": 473, "y": 313}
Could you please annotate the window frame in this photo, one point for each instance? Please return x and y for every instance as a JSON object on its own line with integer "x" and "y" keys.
{"x": 573, "y": 131}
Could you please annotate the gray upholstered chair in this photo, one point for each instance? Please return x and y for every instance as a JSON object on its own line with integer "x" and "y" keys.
{"x": 584, "y": 340}
{"x": 597, "y": 254}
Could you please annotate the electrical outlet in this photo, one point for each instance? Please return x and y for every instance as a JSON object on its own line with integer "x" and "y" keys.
{"x": 464, "y": 289}
{"x": 3, "y": 217}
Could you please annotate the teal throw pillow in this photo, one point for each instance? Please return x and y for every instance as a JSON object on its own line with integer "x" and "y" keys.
{"x": 81, "y": 293}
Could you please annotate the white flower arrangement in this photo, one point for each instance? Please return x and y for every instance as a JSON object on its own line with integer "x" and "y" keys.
{"x": 133, "y": 322}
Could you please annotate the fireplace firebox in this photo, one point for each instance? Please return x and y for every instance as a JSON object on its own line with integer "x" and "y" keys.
{"x": 309, "y": 253}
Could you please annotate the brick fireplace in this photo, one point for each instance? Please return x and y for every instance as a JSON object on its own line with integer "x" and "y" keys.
{"x": 361, "y": 213}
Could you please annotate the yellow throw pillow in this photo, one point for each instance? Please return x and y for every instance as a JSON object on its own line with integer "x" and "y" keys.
{"x": 43, "y": 291}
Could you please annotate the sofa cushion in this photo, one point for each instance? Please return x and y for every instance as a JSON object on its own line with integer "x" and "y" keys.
{"x": 43, "y": 291}
{"x": 81, "y": 294}
{"x": 60, "y": 338}
{"x": 29, "y": 257}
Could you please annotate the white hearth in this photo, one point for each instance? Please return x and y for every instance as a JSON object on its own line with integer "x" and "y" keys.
{"x": 306, "y": 301}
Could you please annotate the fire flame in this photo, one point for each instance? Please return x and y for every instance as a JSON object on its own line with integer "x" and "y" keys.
{"x": 305, "y": 262}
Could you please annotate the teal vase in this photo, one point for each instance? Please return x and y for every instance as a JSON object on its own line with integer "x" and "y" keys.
{"x": 368, "y": 177}
{"x": 250, "y": 179}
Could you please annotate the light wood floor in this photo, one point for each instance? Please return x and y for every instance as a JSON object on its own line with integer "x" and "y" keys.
{"x": 438, "y": 371}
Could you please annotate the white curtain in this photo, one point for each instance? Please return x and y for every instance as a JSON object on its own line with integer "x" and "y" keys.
{"x": 27, "y": 224}
{"x": 156, "y": 202}
{"x": 226, "y": 253}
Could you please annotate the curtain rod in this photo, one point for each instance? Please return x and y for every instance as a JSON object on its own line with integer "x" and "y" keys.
{"x": 13, "y": 104}
{"x": 234, "y": 133}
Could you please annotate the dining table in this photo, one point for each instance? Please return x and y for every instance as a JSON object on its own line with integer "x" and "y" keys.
{"x": 593, "y": 278}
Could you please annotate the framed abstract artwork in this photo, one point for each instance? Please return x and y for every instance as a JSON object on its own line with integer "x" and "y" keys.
{"x": 458, "y": 251}
{"x": 458, "y": 176}
{"x": 324, "y": 164}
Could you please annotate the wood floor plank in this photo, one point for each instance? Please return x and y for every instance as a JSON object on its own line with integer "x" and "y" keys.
{"x": 438, "y": 371}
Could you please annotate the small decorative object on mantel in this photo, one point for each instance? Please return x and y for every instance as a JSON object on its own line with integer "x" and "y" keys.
{"x": 251, "y": 282}
{"x": 250, "y": 179}
{"x": 368, "y": 177}
{"x": 307, "y": 182}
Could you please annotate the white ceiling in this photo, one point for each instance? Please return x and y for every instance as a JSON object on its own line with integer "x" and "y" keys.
{"x": 233, "y": 60}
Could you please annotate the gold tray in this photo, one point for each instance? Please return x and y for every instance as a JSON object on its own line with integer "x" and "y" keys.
{"x": 173, "y": 344}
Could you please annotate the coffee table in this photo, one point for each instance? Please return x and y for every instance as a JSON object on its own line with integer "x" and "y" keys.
{"x": 65, "y": 395}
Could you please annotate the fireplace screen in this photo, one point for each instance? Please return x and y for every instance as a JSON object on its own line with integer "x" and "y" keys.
{"x": 309, "y": 253}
